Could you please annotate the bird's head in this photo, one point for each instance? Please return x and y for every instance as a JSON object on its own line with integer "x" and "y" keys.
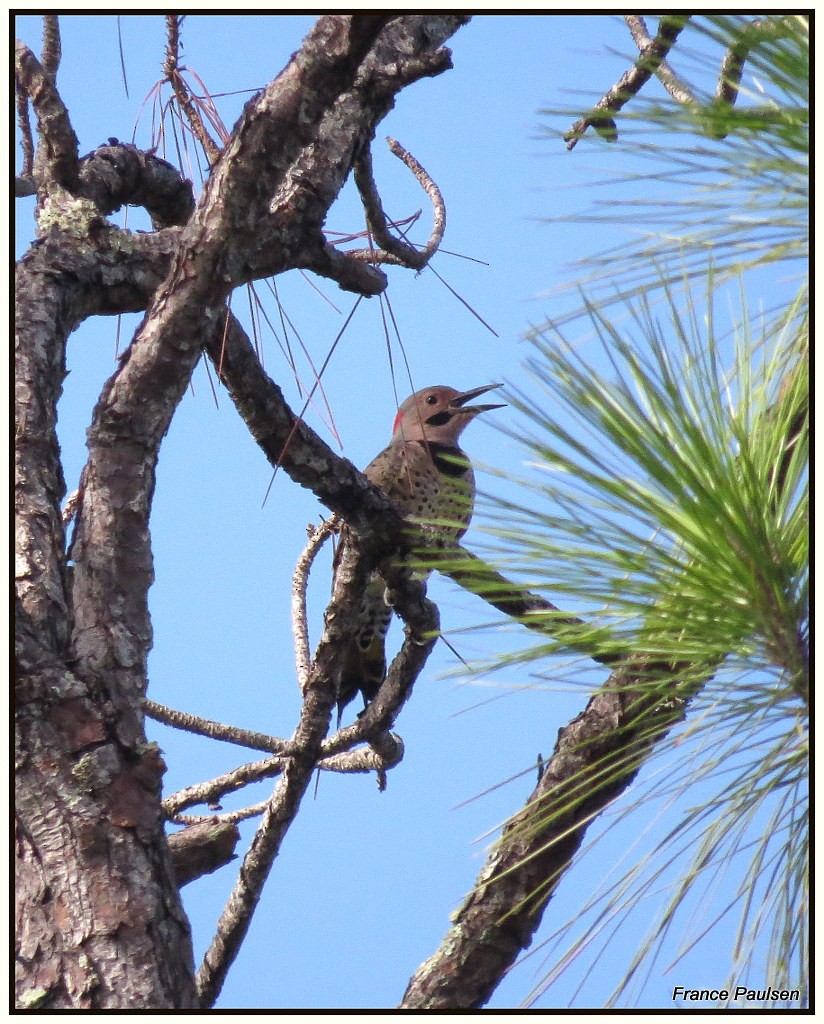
{"x": 438, "y": 414}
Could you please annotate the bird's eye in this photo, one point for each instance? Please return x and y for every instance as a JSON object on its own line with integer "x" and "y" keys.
{"x": 431, "y": 399}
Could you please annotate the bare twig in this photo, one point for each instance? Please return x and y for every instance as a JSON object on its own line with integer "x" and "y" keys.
{"x": 215, "y": 730}
{"x": 383, "y": 753}
{"x": 393, "y": 249}
{"x": 51, "y": 52}
{"x": 225, "y": 817}
{"x": 300, "y": 630}
{"x": 214, "y": 789}
{"x": 630, "y": 83}
{"x": 171, "y": 69}
{"x": 668, "y": 78}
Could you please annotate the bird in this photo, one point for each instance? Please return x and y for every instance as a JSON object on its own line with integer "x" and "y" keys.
{"x": 425, "y": 471}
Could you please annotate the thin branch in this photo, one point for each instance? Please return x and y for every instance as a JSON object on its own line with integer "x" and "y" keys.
{"x": 51, "y": 52}
{"x": 300, "y": 630}
{"x": 224, "y": 817}
{"x": 213, "y": 790}
{"x": 530, "y": 610}
{"x": 630, "y": 83}
{"x": 384, "y": 752}
{"x": 732, "y": 63}
{"x": 214, "y": 730}
{"x": 668, "y": 78}
{"x": 171, "y": 70}
{"x": 393, "y": 249}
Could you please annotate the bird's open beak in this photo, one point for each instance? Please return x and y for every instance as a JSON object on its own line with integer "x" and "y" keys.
{"x": 458, "y": 403}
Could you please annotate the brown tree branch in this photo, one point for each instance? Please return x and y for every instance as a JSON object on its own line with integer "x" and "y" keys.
{"x": 213, "y": 790}
{"x": 393, "y": 249}
{"x": 171, "y": 70}
{"x": 630, "y": 83}
{"x": 24, "y": 185}
{"x": 595, "y": 758}
{"x": 51, "y": 51}
{"x": 55, "y": 162}
{"x": 347, "y": 271}
{"x": 213, "y": 730}
{"x": 300, "y": 580}
{"x": 292, "y": 445}
{"x": 668, "y": 78}
{"x": 202, "y": 848}
{"x": 229, "y": 817}
{"x": 119, "y": 174}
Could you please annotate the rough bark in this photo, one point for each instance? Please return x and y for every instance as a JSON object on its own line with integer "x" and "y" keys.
{"x": 100, "y": 925}
{"x": 202, "y": 848}
{"x": 595, "y": 758}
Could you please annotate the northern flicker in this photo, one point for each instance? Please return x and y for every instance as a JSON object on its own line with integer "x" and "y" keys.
{"x": 424, "y": 470}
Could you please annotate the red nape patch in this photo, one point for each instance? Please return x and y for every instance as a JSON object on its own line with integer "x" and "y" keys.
{"x": 398, "y": 419}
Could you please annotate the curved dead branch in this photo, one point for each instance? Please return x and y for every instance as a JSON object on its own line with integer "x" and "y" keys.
{"x": 300, "y": 628}
{"x": 119, "y": 174}
{"x": 393, "y": 249}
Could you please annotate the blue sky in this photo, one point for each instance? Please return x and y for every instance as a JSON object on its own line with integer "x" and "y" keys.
{"x": 363, "y": 887}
